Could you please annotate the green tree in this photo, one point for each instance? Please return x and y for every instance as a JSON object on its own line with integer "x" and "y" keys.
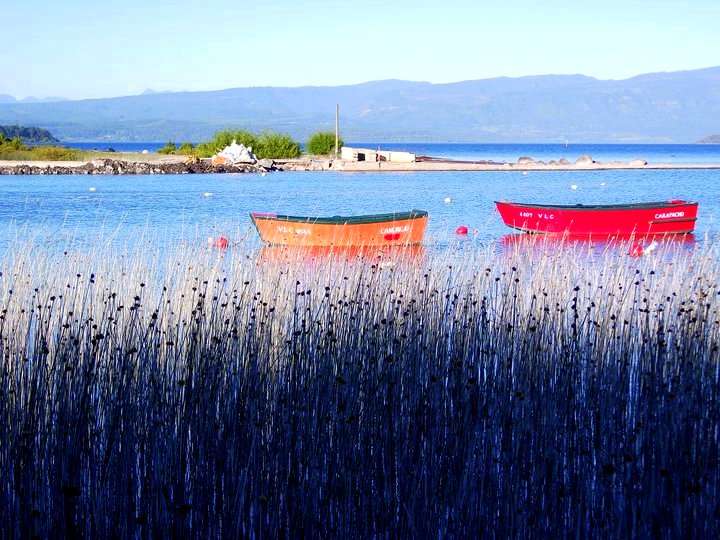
{"x": 322, "y": 143}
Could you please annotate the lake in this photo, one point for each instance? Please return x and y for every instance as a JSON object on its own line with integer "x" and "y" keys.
{"x": 345, "y": 398}
{"x": 191, "y": 207}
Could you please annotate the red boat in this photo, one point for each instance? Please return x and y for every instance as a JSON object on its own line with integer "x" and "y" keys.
{"x": 651, "y": 218}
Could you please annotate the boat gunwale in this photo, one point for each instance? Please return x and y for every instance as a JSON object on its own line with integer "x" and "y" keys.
{"x": 571, "y": 234}
{"x": 344, "y": 220}
{"x": 675, "y": 220}
{"x": 601, "y": 207}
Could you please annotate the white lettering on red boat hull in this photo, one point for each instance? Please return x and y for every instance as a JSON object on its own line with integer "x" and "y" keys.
{"x": 667, "y": 215}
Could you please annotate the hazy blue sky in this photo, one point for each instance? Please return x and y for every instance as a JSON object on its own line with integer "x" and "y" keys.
{"x": 83, "y": 49}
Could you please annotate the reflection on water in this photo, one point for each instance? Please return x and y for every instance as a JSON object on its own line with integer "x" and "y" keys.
{"x": 581, "y": 248}
{"x": 597, "y": 246}
{"x": 380, "y": 255}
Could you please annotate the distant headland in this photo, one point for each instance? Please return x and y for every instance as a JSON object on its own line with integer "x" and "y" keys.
{"x": 28, "y": 134}
{"x": 712, "y": 139}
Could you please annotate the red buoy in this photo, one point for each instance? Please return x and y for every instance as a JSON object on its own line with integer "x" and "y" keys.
{"x": 462, "y": 229}
{"x": 636, "y": 250}
{"x": 221, "y": 242}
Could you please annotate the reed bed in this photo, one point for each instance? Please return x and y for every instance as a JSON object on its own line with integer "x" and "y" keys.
{"x": 450, "y": 393}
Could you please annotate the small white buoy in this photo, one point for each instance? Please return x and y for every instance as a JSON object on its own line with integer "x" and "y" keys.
{"x": 574, "y": 186}
{"x": 145, "y": 152}
{"x": 262, "y": 173}
{"x": 524, "y": 173}
{"x": 651, "y": 247}
{"x": 448, "y": 200}
{"x": 602, "y": 184}
{"x": 92, "y": 189}
{"x": 207, "y": 194}
{"x": 211, "y": 240}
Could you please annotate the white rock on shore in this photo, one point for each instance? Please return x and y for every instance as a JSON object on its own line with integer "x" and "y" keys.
{"x": 234, "y": 153}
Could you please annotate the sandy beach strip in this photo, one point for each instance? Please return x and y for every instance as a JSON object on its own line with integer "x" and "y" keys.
{"x": 308, "y": 164}
{"x": 388, "y": 166}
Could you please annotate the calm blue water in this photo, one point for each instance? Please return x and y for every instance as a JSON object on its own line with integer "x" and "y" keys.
{"x": 55, "y": 209}
{"x": 652, "y": 153}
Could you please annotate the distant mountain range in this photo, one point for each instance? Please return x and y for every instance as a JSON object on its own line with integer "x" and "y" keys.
{"x": 677, "y": 107}
{"x": 5, "y": 98}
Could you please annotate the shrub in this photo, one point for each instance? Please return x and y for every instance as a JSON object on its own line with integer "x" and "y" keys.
{"x": 205, "y": 149}
{"x": 224, "y": 138}
{"x": 13, "y": 144}
{"x": 266, "y": 145}
{"x": 186, "y": 149}
{"x": 322, "y": 143}
{"x": 241, "y": 136}
{"x": 277, "y": 146}
{"x": 169, "y": 148}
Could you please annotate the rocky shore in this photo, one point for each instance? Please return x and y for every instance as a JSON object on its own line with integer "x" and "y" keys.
{"x": 117, "y": 167}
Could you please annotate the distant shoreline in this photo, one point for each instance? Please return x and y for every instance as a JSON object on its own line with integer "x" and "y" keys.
{"x": 449, "y": 165}
{"x": 180, "y": 165}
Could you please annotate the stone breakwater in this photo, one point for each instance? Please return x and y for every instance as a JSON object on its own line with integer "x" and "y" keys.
{"x": 116, "y": 167}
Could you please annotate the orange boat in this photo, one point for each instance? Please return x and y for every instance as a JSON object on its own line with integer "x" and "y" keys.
{"x": 396, "y": 229}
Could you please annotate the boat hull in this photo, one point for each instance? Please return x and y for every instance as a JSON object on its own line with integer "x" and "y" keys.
{"x": 657, "y": 218}
{"x": 397, "y": 229}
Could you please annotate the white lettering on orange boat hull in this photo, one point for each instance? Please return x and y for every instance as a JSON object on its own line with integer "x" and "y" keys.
{"x": 291, "y": 230}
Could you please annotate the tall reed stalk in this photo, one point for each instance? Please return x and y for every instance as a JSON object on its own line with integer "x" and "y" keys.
{"x": 516, "y": 392}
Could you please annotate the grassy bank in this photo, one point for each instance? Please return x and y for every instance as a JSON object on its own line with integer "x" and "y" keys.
{"x": 69, "y": 154}
{"x": 15, "y": 150}
{"x": 525, "y": 393}
{"x": 43, "y": 153}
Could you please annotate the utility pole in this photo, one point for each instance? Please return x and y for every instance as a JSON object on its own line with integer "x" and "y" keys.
{"x": 337, "y": 128}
